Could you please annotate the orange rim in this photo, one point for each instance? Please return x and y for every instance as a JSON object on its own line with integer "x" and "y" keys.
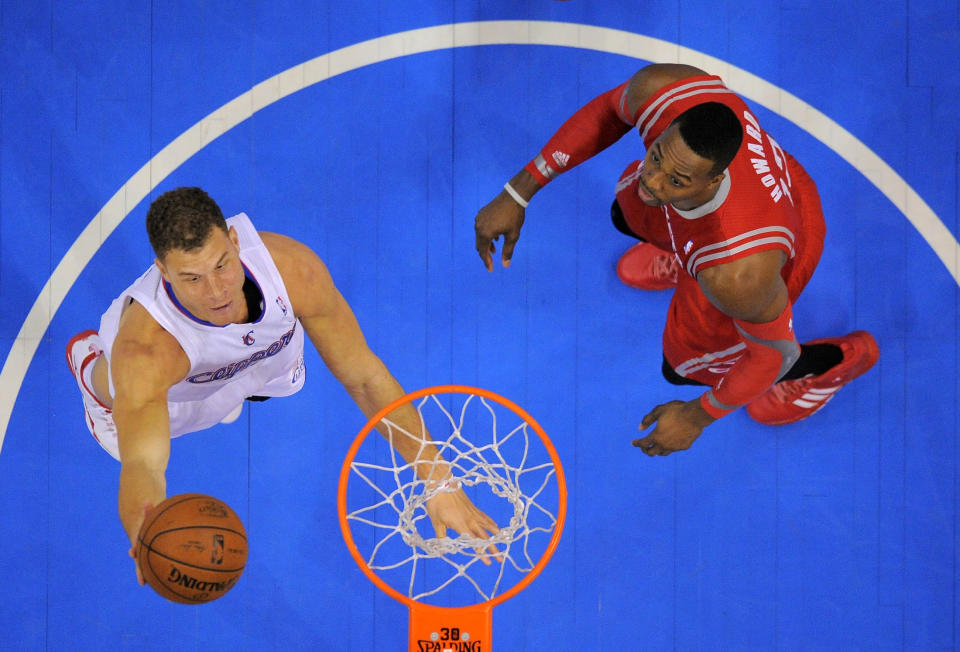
{"x": 451, "y": 389}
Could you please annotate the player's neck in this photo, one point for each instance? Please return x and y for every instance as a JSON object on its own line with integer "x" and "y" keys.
{"x": 708, "y": 195}
{"x": 254, "y": 301}
{"x": 696, "y": 202}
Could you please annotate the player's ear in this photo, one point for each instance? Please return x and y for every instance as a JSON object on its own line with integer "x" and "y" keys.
{"x": 234, "y": 238}
{"x": 162, "y": 268}
{"x": 715, "y": 181}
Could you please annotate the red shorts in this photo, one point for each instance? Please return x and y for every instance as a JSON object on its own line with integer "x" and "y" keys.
{"x": 700, "y": 342}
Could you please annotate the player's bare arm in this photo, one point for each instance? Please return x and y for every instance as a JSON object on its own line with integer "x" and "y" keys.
{"x": 504, "y": 215}
{"x": 145, "y": 363}
{"x": 749, "y": 289}
{"x": 332, "y": 327}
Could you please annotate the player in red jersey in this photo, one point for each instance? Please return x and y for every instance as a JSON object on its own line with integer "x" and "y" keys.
{"x": 729, "y": 219}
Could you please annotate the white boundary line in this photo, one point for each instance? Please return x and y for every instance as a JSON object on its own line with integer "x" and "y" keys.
{"x": 443, "y": 37}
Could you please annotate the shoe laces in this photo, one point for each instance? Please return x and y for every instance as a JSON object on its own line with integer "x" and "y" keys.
{"x": 785, "y": 391}
{"x": 666, "y": 267}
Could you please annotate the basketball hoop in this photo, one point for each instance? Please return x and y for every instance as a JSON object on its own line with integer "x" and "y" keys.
{"x": 485, "y": 440}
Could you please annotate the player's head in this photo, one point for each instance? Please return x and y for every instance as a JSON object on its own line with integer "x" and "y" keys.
{"x": 686, "y": 164}
{"x": 182, "y": 219}
{"x": 198, "y": 255}
{"x": 713, "y": 132}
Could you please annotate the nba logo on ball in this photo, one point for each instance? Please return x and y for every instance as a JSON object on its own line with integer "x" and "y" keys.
{"x": 216, "y": 556}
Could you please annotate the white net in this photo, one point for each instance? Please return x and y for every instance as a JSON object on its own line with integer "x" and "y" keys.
{"x": 496, "y": 458}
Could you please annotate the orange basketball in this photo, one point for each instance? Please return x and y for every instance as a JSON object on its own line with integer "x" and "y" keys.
{"x": 192, "y": 548}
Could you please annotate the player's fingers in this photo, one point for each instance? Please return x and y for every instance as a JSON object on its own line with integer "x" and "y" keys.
{"x": 647, "y": 444}
{"x": 485, "y": 248}
{"x": 477, "y": 529}
{"x": 487, "y": 523}
{"x": 136, "y": 565}
{"x": 484, "y": 553}
{"x": 509, "y": 242}
{"x": 492, "y": 553}
{"x": 651, "y": 416}
{"x": 474, "y": 525}
{"x": 484, "y": 557}
{"x": 476, "y": 533}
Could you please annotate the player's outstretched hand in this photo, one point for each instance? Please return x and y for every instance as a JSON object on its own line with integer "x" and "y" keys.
{"x": 679, "y": 423}
{"x": 456, "y": 511}
{"x": 501, "y": 217}
{"x": 133, "y": 533}
{"x": 136, "y": 564}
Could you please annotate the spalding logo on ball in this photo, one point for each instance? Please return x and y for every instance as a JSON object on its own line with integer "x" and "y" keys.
{"x": 192, "y": 548}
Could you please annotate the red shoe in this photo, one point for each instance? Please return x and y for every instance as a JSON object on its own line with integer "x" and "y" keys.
{"x": 647, "y": 267}
{"x": 793, "y": 400}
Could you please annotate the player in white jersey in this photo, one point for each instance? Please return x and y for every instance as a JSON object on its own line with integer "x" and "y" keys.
{"x": 220, "y": 317}
{"x": 269, "y": 343}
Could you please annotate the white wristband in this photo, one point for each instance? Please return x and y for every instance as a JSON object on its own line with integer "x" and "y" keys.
{"x": 516, "y": 195}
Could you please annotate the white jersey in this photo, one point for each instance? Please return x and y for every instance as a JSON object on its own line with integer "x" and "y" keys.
{"x": 227, "y": 363}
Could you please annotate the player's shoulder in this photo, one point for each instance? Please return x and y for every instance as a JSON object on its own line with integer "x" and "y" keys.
{"x": 304, "y": 274}
{"x": 138, "y": 333}
{"x": 292, "y": 257}
{"x": 143, "y": 345}
{"x": 282, "y": 245}
{"x": 649, "y": 80}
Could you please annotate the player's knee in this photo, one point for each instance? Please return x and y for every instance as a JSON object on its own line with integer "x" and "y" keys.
{"x": 674, "y": 378}
{"x": 670, "y": 375}
{"x": 619, "y": 221}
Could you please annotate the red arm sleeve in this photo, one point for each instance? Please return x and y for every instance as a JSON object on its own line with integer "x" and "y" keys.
{"x": 772, "y": 348}
{"x": 589, "y": 131}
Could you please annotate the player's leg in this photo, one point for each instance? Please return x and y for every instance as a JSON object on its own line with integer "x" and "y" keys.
{"x": 234, "y": 414}
{"x": 816, "y": 358}
{"x": 84, "y": 354}
{"x": 237, "y": 411}
{"x": 798, "y": 396}
{"x": 620, "y": 222}
{"x": 700, "y": 345}
{"x": 671, "y": 376}
{"x": 826, "y": 364}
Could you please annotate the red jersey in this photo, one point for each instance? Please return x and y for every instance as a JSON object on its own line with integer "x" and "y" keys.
{"x": 753, "y": 209}
{"x": 765, "y": 201}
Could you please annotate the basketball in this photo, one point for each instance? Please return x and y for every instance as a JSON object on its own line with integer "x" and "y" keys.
{"x": 192, "y": 548}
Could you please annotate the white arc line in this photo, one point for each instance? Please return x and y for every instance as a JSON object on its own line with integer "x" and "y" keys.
{"x": 428, "y": 39}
